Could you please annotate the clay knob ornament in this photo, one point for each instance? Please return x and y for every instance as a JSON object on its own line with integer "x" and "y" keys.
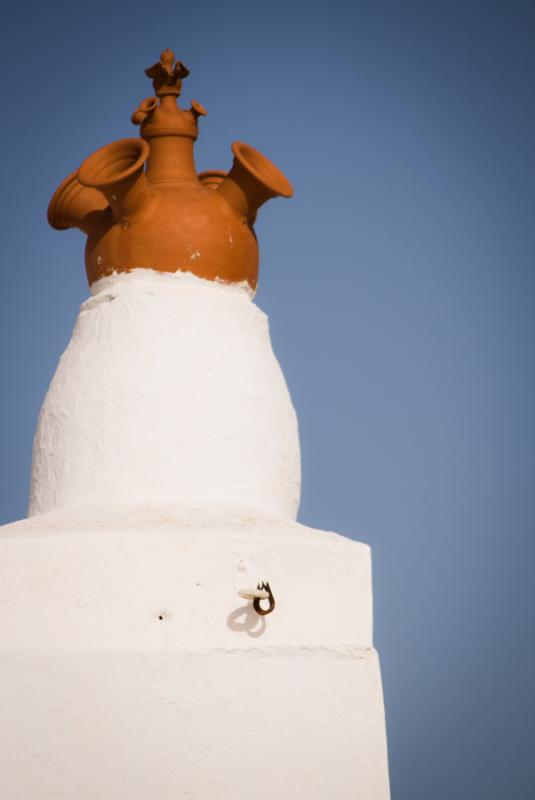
{"x": 142, "y": 204}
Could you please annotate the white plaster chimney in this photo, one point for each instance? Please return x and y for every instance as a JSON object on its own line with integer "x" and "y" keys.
{"x": 165, "y": 481}
{"x": 137, "y": 658}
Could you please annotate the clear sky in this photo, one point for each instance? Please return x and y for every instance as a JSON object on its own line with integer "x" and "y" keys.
{"x": 400, "y": 287}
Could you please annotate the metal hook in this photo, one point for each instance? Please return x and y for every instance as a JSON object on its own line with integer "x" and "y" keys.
{"x": 256, "y": 602}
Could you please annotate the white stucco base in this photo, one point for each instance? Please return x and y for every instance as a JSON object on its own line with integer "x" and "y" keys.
{"x": 196, "y": 727}
{"x": 166, "y": 478}
{"x": 130, "y": 667}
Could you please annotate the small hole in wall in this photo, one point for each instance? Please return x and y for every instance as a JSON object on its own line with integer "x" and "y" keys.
{"x": 160, "y": 616}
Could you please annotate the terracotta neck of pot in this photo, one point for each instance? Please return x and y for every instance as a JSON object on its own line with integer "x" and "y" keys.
{"x": 171, "y": 160}
{"x": 170, "y": 130}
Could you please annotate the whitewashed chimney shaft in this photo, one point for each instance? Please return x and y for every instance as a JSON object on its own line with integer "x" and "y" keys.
{"x": 169, "y": 631}
{"x": 165, "y": 482}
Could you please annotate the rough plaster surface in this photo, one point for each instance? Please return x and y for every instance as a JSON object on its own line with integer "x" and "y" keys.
{"x": 169, "y": 391}
{"x": 130, "y": 667}
{"x": 165, "y": 480}
{"x": 107, "y": 587}
{"x": 120, "y": 725}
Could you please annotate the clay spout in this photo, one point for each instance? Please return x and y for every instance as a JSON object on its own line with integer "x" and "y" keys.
{"x": 252, "y": 181}
{"x": 117, "y": 170}
{"x": 75, "y": 206}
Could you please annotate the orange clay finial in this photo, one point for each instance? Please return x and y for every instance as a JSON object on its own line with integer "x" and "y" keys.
{"x": 142, "y": 204}
{"x": 167, "y": 74}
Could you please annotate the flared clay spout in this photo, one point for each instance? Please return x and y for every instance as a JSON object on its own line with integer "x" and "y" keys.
{"x": 142, "y": 204}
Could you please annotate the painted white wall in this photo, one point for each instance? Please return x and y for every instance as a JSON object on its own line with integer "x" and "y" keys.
{"x": 130, "y": 667}
{"x": 165, "y": 480}
{"x": 104, "y": 579}
{"x": 169, "y": 392}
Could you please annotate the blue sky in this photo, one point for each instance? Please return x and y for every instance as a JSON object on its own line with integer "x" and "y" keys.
{"x": 399, "y": 282}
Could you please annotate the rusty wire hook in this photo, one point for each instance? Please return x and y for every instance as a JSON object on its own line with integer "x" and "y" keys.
{"x": 257, "y": 600}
